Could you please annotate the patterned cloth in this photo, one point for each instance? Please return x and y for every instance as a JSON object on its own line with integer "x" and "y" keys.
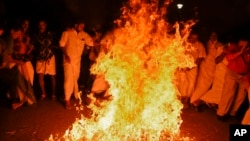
{"x": 44, "y": 46}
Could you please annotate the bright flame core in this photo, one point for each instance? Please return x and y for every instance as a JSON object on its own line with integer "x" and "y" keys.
{"x": 140, "y": 68}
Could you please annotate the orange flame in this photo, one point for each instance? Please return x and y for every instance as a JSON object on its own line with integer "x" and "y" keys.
{"x": 140, "y": 68}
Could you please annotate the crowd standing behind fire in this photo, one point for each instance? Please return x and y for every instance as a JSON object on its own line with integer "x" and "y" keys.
{"x": 220, "y": 78}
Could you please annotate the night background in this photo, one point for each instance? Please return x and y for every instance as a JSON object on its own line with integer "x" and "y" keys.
{"x": 229, "y": 18}
{"x": 224, "y": 16}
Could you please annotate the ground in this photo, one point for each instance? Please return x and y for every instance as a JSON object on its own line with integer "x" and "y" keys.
{"x": 38, "y": 122}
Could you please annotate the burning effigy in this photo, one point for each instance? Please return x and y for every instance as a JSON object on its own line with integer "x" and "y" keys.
{"x": 140, "y": 68}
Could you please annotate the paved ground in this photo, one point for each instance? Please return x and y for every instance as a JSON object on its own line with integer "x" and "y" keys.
{"x": 48, "y": 117}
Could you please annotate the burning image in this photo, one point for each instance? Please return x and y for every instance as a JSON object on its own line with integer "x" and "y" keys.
{"x": 140, "y": 68}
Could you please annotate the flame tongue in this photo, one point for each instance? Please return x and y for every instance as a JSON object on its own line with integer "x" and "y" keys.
{"x": 140, "y": 69}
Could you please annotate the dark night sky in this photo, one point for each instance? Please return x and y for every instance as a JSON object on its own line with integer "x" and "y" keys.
{"x": 222, "y": 15}
{"x": 57, "y": 11}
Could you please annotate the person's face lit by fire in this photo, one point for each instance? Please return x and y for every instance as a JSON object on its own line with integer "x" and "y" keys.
{"x": 16, "y": 34}
{"x": 242, "y": 43}
{"x": 213, "y": 37}
{"x": 79, "y": 27}
{"x": 42, "y": 26}
{"x": 25, "y": 25}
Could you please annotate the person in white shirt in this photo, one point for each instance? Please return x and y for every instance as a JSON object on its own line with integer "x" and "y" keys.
{"x": 246, "y": 118}
{"x": 100, "y": 86}
{"x": 72, "y": 42}
{"x": 207, "y": 69}
{"x": 189, "y": 75}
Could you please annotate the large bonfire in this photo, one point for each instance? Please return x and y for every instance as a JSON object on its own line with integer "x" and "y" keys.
{"x": 140, "y": 68}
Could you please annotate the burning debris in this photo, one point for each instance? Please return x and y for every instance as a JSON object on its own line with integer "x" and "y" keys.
{"x": 140, "y": 68}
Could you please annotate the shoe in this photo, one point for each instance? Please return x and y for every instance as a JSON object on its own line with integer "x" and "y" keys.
{"x": 68, "y": 105}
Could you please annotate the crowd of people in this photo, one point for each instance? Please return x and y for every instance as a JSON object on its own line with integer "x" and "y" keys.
{"x": 220, "y": 78}
{"x": 28, "y": 57}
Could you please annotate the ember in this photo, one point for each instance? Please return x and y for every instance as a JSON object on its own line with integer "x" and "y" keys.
{"x": 140, "y": 68}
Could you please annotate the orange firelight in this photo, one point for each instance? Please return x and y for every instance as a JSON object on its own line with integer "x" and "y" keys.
{"x": 140, "y": 68}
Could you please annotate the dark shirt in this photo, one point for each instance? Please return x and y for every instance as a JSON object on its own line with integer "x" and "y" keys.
{"x": 20, "y": 49}
{"x": 44, "y": 46}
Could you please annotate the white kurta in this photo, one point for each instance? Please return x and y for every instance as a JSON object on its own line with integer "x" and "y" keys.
{"x": 73, "y": 43}
{"x": 206, "y": 70}
{"x": 214, "y": 94}
{"x": 231, "y": 99}
{"x": 187, "y": 84}
{"x": 246, "y": 118}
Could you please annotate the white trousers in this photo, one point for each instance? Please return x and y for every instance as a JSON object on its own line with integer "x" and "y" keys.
{"x": 204, "y": 80}
{"x": 214, "y": 94}
{"x": 246, "y": 119}
{"x": 187, "y": 83}
{"x": 71, "y": 75}
{"x": 230, "y": 99}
